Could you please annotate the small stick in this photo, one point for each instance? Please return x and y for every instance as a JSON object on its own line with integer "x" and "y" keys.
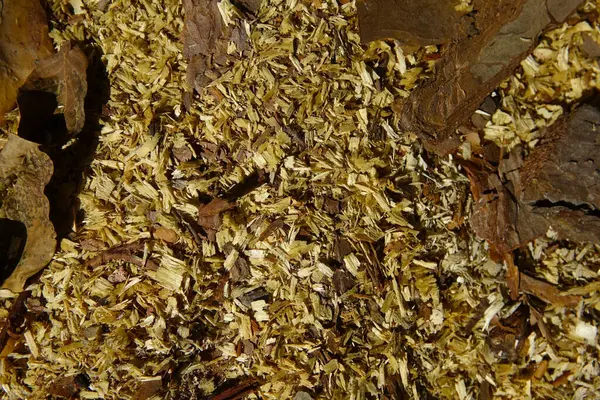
{"x": 238, "y": 392}
{"x": 123, "y": 253}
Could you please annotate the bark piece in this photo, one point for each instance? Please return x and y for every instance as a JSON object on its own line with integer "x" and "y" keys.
{"x": 590, "y": 46}
{"x": 24, "y": 173}
{"x": 65, "y": 75}
{"x": 506, "y": 31}
{"x": 24, "y": 41}
{"x": 412, "y": 22}
{"x": 547, "y": 292}
{"x": 557, "y": 186}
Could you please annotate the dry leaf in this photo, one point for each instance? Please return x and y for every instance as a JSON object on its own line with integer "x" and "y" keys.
{"x": 64, "y": 74}
{"x": 209, "y": 215}
{"x": 24, "y": 41}
{"x": 24, "y": 173}
{"x": 119, "y": 275}
{"x": 166, "y": 234}
{"x": 206, "y": 38}
{"x": 148, "y": 389}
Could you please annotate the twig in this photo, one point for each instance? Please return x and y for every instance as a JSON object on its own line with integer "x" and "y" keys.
{"x": 238, "y": 392}
{"x": 547, "y": 292}
{"x": 124, "y": 253}
{"x": 512, "y": 277}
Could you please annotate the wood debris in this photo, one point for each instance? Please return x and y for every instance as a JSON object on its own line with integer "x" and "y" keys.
{"x": 412, "y": 22}
{"x": 321, "y": 252}
{"x": 556, "y": 187}
{"x": 505, "y": 32}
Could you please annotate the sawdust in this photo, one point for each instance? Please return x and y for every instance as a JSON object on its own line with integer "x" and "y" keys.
{"x": 344, "y": 268}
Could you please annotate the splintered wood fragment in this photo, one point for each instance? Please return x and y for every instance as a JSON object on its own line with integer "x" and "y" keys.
{"x": 512, "y": 277}
{"x": 123, "y": 253}
{"x": 546, "y": 292}
{"x": 505, "y": 32}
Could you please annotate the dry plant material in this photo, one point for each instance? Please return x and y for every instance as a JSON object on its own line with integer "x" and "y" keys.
{"x": 546, "y": 292}
{"x": 68, "y": 386}
{"x": 24, "y": 42}
{"x": 506, "y": 31}
{"x": 411, "y": 22}
{"x": 14, "y": 320}
{"x": 24, "y": 173}
{"x": 209, "y": 216}
{"x": 65, "y": 75}
{"x": 125, "y": 253}
{"x": 206, "y": 39}
{"x": 148, "y": 388}
{"x": 556, "y": 187}
{"x": 340, "y": 300}
{"x": 166, "y": 234}
{"x": 512, "y": 277}
{"x": 238, "y": 392}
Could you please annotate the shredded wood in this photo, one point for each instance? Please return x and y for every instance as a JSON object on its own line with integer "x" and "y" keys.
{"x": 304, "y": 246}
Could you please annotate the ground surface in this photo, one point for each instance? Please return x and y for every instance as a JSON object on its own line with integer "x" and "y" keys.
{"x": 342, "y": 264}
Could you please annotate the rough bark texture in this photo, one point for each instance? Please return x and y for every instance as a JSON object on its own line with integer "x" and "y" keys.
{"x": 506, "y": 31}
{"x": 412, "y": 22}
{"x": 557, "y": 186}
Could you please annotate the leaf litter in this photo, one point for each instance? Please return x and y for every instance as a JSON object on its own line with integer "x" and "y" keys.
{"x": 341, "y": 263}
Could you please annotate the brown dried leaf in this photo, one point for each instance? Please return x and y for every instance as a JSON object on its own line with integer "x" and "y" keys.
{"x": 24, "y": 173}
{"x": 166, "y": 234}
{"x": 24, "y": 41}
{"x": 16, "y": 317}
{"x": 512, "y": 277}
{"x": 124, "y": 253}
{"x": 182, "y": 153}
{"x": 209, "y": 215}
{"x": 206, "y": 38}
{"x": 119, "y": 275}
{"x": 148, "y": 389}
{"x": 64, "y": 387}
{"x": 64, "y": 74}
{"x": 342, "y": 281}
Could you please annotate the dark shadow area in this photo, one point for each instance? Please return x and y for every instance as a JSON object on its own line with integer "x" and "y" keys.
{"x": 13, "y": 236}
{"x": 71, "y": 155}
